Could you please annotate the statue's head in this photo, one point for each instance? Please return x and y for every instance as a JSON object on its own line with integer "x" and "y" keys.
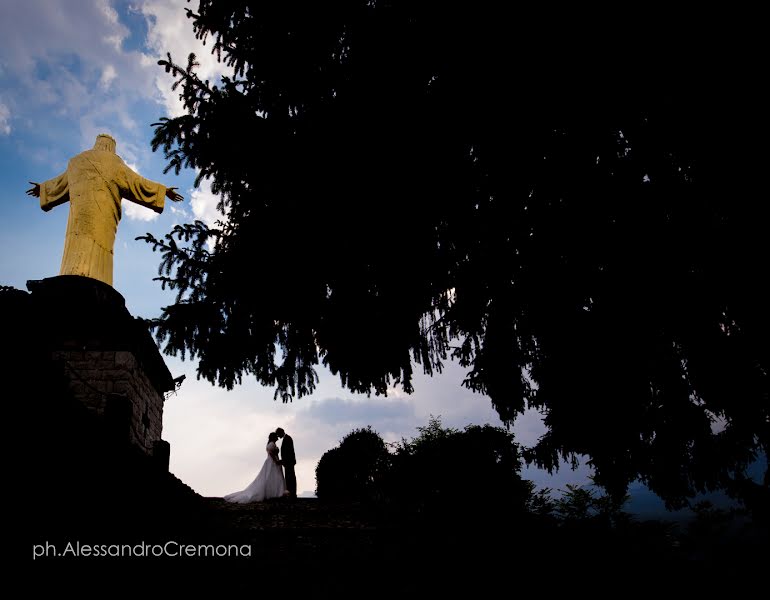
{"x": 105, "y": 142}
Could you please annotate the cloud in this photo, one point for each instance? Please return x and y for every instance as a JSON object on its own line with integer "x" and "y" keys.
{"x": 37, "y": 30}
{"x": 167, "y": 32}
{"x": 69, "y": 73}
{"x": 117, "y": 34}
{"x": 69, "y": 64}
{"x": 108, "y": 76}
{"x": 360, "y": 413}
{"x": 134, "y": 211}
{"x": 180, "y": 212}
{"x": 76, "y": 41}
{"x": 110, "y": 14}
{"x": 5, "y": 119}
{"x": 68, "y": 76}
{"x": 204, "y": 204}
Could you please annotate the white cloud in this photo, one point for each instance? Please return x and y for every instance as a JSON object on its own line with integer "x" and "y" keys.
{"x": 117, "y": 33}
{"x": 68, "y": 61}
{"x": 134, "y": 211}
{"x": 170, "y": 31}
{"x": 108, "y": 76}
{"x": 37, "y": 33}
{"x": 5, "y": 119}
{"x": 180, "y": 213}
{"x": 109, "y": 13}
{"x": 64, "y": 65}
{"x": 389, "y": 414}
{"x": 204, "y": 204}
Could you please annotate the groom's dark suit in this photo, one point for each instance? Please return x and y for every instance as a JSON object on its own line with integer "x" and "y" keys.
{"x": 289, "y": 460}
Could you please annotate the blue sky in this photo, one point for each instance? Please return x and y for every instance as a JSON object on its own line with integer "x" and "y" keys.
{"x": 71, "y": 70}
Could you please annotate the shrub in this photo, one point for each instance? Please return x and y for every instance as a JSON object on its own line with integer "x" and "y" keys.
{"x": 355, "y": 469}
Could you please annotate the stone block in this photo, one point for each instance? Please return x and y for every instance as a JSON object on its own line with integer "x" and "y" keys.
{"x": 123, "y": 386}
{"x": 93, "y": 356}
{"x": 125, "y": 359}
{"x": 121, "y": 374}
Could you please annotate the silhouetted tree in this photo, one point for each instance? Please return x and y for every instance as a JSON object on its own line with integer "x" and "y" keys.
{"x": 355, "y": 469}
{"x": 725, "y": 539}
{"x": 583, "y": 505}
{"x": 441, "y": 471}
{"x": 570, "y": 206}
{"x": 449, "y": 471}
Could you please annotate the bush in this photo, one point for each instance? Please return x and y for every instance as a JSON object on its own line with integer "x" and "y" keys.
{"x": 440, "y": 472}
{"x": 444, "y": 469}
{"x": 355, "y": 469}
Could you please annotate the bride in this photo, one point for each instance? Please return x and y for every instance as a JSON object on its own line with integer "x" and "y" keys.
{"x": 269, "y": 483}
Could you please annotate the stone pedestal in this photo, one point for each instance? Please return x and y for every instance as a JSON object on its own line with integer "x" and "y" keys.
{"x": 108, "y": 357}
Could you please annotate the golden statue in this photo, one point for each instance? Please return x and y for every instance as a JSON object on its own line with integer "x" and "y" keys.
{"x": 94, "y": 183}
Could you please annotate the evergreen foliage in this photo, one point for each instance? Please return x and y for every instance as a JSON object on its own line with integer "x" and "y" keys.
{"x": 570, "y": 205}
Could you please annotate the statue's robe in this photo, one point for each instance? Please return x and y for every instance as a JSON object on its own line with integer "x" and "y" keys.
{"x": 94, "y": 183}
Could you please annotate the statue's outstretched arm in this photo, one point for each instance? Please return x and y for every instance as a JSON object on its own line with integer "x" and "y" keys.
{"x": 172, "y": 194}
{"x": 51, "y": 192}
{"x": 34, "y": 190}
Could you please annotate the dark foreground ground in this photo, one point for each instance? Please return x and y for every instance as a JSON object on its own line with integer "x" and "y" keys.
{"x": 304, "y": 547}
{"x": 314, "y": 549}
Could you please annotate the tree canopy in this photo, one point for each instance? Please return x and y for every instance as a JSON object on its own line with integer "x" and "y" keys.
{"x": 568, "y": 204}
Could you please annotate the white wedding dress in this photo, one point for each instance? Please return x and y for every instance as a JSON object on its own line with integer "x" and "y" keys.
{"x": 269, "y": 483}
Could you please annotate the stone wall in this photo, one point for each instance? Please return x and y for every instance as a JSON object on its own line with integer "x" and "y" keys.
{"x": 109, "y": 358}
{"x": 95, "y": 376}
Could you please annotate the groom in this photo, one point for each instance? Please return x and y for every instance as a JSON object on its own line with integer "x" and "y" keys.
{"x": 288, "y": 460}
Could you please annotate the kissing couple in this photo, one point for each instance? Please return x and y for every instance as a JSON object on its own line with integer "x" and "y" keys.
{"x": 270, "y": 481}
